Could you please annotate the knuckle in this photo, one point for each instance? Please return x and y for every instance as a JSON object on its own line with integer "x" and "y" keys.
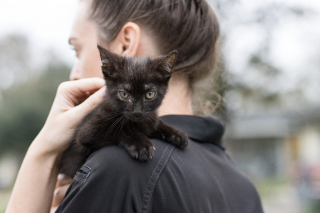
{"x": 57, "y": 192}
{"x": 98, "y": 81}
{"x": 60, "y": 192}
{"x": 92, "y": 101}
{"x": 63, "y": 86}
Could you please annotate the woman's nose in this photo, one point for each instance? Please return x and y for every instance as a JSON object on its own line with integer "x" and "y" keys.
{"x": 75, "y": 73}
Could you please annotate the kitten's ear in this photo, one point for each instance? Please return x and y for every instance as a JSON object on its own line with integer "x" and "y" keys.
{"x": 167, "y": 62}
{"x": 170, "y": 59}
{"x": 110, "y": 62}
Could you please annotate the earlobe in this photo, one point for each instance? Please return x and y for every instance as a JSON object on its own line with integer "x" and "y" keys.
{"x": 129, "y": 36}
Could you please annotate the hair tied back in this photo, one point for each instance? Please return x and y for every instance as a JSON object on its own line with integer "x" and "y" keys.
{"x": 198, "y": 5}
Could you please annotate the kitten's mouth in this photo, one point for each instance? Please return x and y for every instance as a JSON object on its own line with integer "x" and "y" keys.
{"x": 136, "y": 118}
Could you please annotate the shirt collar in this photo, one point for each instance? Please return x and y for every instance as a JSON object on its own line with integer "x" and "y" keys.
{"x": 199, "y": 129}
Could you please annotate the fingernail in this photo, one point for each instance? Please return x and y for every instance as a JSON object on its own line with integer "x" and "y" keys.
{"x": 103, "y": 91}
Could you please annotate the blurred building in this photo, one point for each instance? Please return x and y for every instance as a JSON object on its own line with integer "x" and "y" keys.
{"x": 270, "y": 145}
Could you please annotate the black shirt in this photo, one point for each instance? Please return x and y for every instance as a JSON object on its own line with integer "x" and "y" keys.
{"x": 199, "y": 178}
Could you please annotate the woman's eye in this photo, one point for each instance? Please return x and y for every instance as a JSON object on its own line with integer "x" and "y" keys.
{"x": 124, "y": 94}
{"x": 76, "y": 51}
{"x": 150, "y": 95}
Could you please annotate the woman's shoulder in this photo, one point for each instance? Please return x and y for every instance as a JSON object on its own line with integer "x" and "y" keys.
{"x": 112, "y": 181}
{"x": 116, "y": 160}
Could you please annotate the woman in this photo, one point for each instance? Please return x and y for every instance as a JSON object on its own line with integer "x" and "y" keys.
{"x": 200, "y": 178}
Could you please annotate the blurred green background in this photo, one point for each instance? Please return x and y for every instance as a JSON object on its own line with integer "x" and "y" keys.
{"x": 268, "y": 77}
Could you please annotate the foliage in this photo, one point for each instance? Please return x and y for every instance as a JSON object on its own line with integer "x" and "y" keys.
{"x": 257, "y": 83}
{"x": 24, "y": 107}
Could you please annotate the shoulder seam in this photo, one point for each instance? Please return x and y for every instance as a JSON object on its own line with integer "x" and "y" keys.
{"x": 154, "y": 178}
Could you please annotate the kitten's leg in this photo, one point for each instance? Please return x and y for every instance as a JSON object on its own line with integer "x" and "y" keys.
{"x": 85, "y": 135}
{"x": 73, "y": 158}
{"x": 89, "y": 136}
{"x": 138, "y": 146}
{"x": 167, "y": 133}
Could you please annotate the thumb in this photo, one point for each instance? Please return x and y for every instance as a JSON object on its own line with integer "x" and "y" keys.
{"x": 89, "y": 104}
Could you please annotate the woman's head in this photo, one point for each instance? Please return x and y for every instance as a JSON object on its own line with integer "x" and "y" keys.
{"x": 188, "y": 26}
{"x": 148, "y": 28}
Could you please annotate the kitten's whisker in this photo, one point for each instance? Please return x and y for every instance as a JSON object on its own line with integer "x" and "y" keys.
{"x": 109, "y": 115}
{"x": 154, "y": 119}
{"x": 103, "y": 122}
{"x": 162, "y": 125}
{"x": 109, "y": 128}
{"x": 118, "y": 128}
{"x": 103, "y": 119}
{"x": 113, "y": 125}
{"x": 107, "y": 120}
{"x": 122, "y": 124}
{"x": 159, "y": 129}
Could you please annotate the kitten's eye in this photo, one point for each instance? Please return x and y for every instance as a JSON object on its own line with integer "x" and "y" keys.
{"x": 150, "y": 95}
{"x": 124, "y": 94}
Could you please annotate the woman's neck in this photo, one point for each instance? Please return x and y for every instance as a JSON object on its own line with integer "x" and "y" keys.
{"x": 178, "y": 98}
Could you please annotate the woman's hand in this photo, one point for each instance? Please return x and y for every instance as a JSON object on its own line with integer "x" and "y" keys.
{"x": 33, "y": 190}
{"x": 63, "y": 183}
{"x": 74, "y": 100}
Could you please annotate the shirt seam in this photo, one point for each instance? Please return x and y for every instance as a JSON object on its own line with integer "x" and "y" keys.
{"x": 147, "y": 197}
{"x": 86, "y": 176}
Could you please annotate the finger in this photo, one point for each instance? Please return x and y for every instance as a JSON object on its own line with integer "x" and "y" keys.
{"x": 63, "y": 180}
{"x": 81, "y": 87}
{"x": 72, "y": 93}
{"x": 80, "y": 111}
{"x": 58, "y": 195}
{"x": 53, "y": 209}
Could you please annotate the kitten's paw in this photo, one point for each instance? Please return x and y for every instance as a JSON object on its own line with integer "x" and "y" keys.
{"x": 142, "y": 153}
{"x": 180, "y": 140}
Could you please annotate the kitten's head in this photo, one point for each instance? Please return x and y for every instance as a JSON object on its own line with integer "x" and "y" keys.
{"x": 136, "y": 86}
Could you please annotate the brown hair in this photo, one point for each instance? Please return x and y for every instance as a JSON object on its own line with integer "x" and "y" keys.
{"x": 188, "y": 26}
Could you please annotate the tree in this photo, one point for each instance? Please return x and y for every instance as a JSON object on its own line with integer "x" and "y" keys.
{"x": 15, "y": 60}
{"x": 24, "y": 107}
{"x": 258, "y": 83}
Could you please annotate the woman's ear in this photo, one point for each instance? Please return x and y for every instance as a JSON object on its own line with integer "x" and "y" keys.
{"x": 127, "y": 41}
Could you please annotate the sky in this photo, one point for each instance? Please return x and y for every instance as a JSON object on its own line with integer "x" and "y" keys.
{"x": 47, "y": 24}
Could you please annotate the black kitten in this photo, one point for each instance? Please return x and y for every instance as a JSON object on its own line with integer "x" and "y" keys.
{"x": 127, "y": 116}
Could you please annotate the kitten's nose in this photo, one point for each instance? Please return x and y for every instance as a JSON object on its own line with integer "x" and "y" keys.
{"x": 137, "y": 114}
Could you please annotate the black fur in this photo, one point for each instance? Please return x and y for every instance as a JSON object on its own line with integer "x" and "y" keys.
{"x": 127, "y": 121}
